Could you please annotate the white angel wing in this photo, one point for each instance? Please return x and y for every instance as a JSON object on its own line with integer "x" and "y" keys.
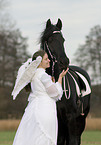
{"x": 25, "y": 75}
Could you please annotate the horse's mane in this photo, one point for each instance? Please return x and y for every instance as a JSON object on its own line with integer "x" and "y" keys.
{"x": 47, "y": 32}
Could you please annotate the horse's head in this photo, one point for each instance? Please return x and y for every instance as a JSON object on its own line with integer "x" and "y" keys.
{"x": 52, "y": 42}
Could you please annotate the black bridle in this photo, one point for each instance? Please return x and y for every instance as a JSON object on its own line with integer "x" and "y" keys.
{"x": 53, "y": 58}
{"x": 54, "y": 61}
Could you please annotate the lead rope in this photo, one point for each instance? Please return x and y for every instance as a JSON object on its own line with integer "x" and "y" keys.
{"x": 65, "y": 88}
{"x": 53, "y": 64}
{"x": 52, "y": 57}
{"x": 82, "y": 113}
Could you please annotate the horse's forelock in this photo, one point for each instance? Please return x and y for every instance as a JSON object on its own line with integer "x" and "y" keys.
{"x": 47, "y": 33}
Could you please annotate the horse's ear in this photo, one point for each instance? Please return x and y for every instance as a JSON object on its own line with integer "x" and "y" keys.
{"x": 59, "y": 24}
{"x": 48, "y": 23}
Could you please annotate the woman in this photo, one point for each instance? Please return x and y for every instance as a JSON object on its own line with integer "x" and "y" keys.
{"x": 39, "y": 122}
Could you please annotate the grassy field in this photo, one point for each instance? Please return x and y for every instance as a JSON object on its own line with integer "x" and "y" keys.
{"x": 91, "y": 138}
{"x": 6, "y": 137}
{"x": 88, "y": 137}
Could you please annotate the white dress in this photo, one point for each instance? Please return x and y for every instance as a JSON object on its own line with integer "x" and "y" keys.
{"x": 39, "y": 124}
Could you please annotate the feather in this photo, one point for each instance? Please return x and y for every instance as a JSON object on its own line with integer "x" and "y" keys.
{"x": 25, "y": 75}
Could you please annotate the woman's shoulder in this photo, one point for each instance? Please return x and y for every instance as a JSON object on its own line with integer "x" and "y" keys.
{"x": 39, "y": 72}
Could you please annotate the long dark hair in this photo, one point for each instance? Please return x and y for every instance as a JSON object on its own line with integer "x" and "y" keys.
{"x": 35, "y": 55}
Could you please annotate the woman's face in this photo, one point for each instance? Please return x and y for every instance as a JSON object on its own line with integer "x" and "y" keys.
{"x": 45, "y": 62}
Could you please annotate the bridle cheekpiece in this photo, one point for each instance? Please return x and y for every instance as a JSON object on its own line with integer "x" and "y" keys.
{"x": 53, "y": 58}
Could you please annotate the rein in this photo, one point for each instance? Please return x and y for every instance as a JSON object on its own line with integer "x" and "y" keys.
{"x": 53, "y": 58}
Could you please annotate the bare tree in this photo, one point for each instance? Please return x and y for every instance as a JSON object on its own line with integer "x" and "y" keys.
{"x": 12, "y": 46}
{"x": 12, "y": 53}
{"x": 6, "y": 22}
{"x": 88, "y": 55}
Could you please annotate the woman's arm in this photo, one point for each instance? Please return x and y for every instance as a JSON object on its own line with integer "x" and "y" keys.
{"x": 62, "y": 75}
{"x": 53, "y": 89}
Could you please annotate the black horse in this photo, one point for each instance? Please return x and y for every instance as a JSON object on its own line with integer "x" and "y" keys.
{"x": 74, "y": 106}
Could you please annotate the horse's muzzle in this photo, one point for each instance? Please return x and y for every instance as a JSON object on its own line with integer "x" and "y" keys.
{"x": 64, "y": 63}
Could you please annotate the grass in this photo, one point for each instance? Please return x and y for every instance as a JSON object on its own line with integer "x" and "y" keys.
{"x": 91, "y": 138}
{"x": 88, "y": 137}
{"x": 6, "y": 137}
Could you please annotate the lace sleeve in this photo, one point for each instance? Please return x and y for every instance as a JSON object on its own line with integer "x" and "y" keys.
{"x": 54, "y": 90}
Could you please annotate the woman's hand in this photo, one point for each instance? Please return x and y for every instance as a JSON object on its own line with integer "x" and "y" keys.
{"x": 63, "y": 73}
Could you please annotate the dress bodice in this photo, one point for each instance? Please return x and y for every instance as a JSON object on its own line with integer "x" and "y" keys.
{"x": 42, "y": 86}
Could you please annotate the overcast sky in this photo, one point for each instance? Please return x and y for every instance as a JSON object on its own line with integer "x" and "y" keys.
{"x": 78, "y": 17}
